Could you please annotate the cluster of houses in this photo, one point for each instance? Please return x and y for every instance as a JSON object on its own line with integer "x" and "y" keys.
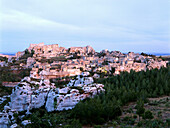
{"x": 53, "y": 50}
{"x": 52, "y": 61}
{"x": 88, "y": 60}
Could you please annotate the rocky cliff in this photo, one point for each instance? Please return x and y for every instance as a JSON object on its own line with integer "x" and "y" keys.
{"x": 34, "y": 93}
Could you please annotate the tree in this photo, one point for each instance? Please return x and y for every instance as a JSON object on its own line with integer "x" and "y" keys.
{"x": 32, "y": 51}
{"x": 27, "y": 52}
{"x": 147, "y": 115}
{"x": 140, "y": 108}
{"x": 81, "y": 69}
{"x": 75, "y": 124}
{"x": 112, "y": 70}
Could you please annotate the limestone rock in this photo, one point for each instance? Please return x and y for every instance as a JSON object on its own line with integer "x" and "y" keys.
{"x": 34, "y": 93}
{"x": 26, "y": 122}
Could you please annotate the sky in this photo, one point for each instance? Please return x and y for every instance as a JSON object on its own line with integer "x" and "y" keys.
{"x": 124, "y": 25}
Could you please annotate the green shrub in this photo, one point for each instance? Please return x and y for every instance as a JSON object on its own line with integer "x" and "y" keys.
{"x": 147, "y": 115}
{"x": 135, "y": 116}
{"x": 75, "y": 124}
{"x": 97, "y": 126}
{"x": 168, "y": 121}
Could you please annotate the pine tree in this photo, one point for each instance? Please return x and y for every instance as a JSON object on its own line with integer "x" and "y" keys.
{"x": 140, "y": 108}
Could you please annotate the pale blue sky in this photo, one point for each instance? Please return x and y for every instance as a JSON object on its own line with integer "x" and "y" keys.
{"x": 125, "y": 25}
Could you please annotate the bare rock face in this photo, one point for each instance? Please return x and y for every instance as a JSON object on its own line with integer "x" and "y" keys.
{"x": 50, "y": 101}
{"x": 34, "y": 93}
{"x": 29, "y": 93}
{"x": 4, "y": 120}
{"x": 76, "y": 90}
{"x": 81, "y": 80}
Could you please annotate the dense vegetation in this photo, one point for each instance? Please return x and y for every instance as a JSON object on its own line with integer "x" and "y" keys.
{"x": 8, "y": 75}
{"x": 3, "y": 59}
{"x": 119, "y": 90}
{"x": 144, "y": 54}
{"x": 27, "y": 54}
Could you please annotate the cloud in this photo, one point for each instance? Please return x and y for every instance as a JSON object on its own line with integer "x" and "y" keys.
{"x": 14, "y": 20}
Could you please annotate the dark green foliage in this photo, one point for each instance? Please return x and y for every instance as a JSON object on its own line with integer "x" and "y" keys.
{"x": 147, "y": 115}
{"x": 105, "y": 63}
{"x": 39, "y": 70}
{"x": 101, "y": 55}
{"x": 144, "y": 54}
{"x": 27, "y": 52}
{"x": 121, "y": 89}
{"x": 138, "y": 61}
{"x": 5, "y": 90}
{"x": 75, "y": 124}
{"x": 4, "y": 103}
{"x": 96, "y": 110}
{"x": 55, "y": 102}
{"x": 7, "y": 74}
{"x": 162, "y": 58}
{"x": 153, "y": 124}
{"x": 140, "y": 107}
{"x": 32, "y": 52}
{"x": 138, "y": 84}
{"x": 24, "y": 72}
{"x": 37, "y": 122}
{"x": 26, "y": 55}
{"x": 135, "y": 116}
{"x": 168, "y": 121}
{"x": 97, "y": 126}
{"x": 3, "y": 59}
{"x": 16, "y": 117}
{"x": 129, "y": 120}
{"x": 81, "y": 69}
{"x": 41, "y": 119}
{"x": 112, "y": 70}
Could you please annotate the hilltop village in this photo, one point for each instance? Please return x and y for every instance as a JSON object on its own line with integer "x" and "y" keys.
{"x": 59, "y": 78}
{"x": 52, "y": 61}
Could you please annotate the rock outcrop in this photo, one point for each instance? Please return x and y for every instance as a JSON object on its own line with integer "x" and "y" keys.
{"x": 30, "y": 93}
{"x": 78, "y": 89}
{"x": 34, "y": 93}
